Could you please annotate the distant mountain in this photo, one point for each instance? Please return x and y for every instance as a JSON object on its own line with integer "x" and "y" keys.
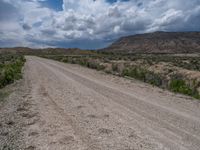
{"x": 158, "y": 42}
{"x": 45, "y": 51}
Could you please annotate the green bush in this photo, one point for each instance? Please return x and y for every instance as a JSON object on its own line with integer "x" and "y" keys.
{"x": 154, "y": 79}
{"x": 143, "y": 75}
{"x": 137, "y": 73}
{"x": 9, "y": 74}
{"x": 95, "y": 65}
{"x": 115, "y": 67}
{"x": 10, "y": 69}
{"x": 179, "y": 86}
{"x": 65, "y": 59}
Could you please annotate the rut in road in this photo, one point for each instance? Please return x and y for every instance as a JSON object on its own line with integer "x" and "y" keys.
{"x": 80, "y": 108}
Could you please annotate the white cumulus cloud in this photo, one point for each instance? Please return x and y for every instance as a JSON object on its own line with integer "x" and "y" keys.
{"x": 94, "y": 22}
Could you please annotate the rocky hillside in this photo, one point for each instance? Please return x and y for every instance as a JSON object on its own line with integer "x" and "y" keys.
{"x": 158, "y": 42}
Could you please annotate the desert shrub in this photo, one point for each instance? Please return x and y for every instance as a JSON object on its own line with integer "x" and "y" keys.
{"x": 83, "y": 62}
{"x": 65, "y": 59}
{"x": 73, "y": 61}
{"x": 108, "y": 72}
{"x": 95, "y": 65}
{"x": 8, "y": 74}
{"x": 140, "y": 73}
{"x": 100, "y": 67}
{"x": 154, "y": 79}
{"x": 179, "y": 85}
{"x": 115, "y": 67}
{"x": 10, "y": 70}
{"x": 143, "y": 75}
{"x": 126, "y": 72}
{"x": 134, "y": 72}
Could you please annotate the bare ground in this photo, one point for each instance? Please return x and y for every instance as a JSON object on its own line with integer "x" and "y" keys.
{"x": 61, "y": 106}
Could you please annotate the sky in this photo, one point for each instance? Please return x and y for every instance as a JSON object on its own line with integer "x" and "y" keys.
{"x": 90, "y": 24}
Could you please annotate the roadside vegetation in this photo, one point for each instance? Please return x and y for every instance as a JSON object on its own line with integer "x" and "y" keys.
{"x": 179, "y": 74}
{"x": 10, "y": 68}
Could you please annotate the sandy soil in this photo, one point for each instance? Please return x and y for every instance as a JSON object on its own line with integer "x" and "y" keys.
{"x": 68, "y": 107}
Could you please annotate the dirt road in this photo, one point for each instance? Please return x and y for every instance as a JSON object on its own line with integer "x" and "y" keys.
{"x": 70, "y": 107}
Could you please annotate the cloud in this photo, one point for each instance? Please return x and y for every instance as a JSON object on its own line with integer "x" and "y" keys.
{"x": 89, "y": 23}
{"x": 26, "y": 26}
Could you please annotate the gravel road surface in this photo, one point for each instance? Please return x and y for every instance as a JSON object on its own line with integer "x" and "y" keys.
{"x": 69, "y": 107}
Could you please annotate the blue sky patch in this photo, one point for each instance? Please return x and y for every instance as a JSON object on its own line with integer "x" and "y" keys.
{"x": 53, "y": 4}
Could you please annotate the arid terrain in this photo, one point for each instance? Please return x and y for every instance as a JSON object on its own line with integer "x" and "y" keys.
{"x": 158, "y": 42}
{"x": 179, "y": 73}
{"x": 65, "y": 106}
